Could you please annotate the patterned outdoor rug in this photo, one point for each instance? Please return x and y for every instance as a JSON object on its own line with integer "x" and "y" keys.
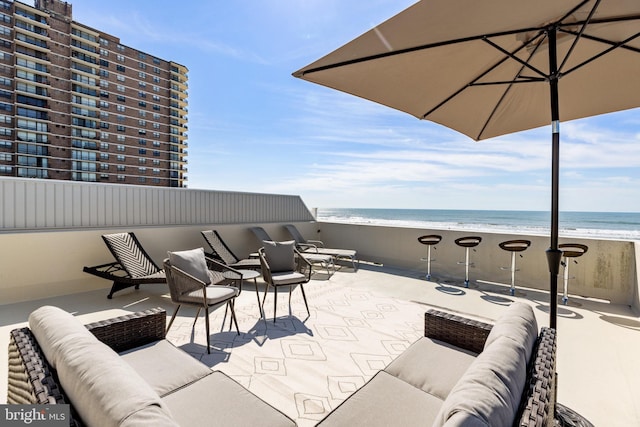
{"x": 306, "y": 365}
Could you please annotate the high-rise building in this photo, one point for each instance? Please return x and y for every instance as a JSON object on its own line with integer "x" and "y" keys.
{"x": 76, "y": 104}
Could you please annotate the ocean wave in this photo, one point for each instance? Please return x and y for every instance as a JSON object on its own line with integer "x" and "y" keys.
{"x": 487, "y": 227}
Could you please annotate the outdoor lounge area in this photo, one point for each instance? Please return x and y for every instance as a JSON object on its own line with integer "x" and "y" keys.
{"x": 305, "y": 364}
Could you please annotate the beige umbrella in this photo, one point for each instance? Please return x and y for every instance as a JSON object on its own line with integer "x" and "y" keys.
{"x": 491, "y": 67}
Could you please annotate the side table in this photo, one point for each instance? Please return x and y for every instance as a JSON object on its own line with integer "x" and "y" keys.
{"x": 246, "y": 275}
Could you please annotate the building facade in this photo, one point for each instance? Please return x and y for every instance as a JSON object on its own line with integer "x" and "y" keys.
{"x": 76, "y": 104}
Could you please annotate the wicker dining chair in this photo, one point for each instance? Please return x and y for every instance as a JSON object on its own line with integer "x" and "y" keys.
{"x": 283, "y": 265}
{"x": 196, "y": 280}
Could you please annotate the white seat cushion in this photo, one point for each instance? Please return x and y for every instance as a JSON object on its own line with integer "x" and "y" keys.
{"x": 171, "y": 369}
{"x": 288, "y": 278}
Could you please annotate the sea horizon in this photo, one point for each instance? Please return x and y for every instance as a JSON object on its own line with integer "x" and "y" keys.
{"x": 608, "y": 225}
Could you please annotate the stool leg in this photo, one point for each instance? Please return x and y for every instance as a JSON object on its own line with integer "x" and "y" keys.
{"x": 466, "y": 268}
{"x": 428, "y": 262}
{"x": 512, "y": 291}
{"x": 565, "y": 296}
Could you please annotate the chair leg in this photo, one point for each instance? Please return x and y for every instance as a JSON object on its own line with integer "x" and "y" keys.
{"x": 173, "y": 317}
{"x": 304, "y": 297}
{"x": 206, "y": 313}
{"x": 231, "y": 304}
{"x": 275, "y": 302}
{"x": 196, "y": 318}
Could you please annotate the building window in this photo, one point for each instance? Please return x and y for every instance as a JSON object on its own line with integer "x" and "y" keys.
{"x": 121, "y": 138}
{"x": 142, "y": 65}
{"x": 120, "y": 57}
{"x": 142, "y": 151}
{"x": 120, "y": 108}
{"x": 121, "y": 98}
{"x": 120, "y": 178}
{"x": 120, "y": 148}
{"x": 120, "y": 68}
{"x": 142, "y": 104}
{"x": 120, "y": 159}
{"x": 120, "y": 78}
{"x": 120, "y": 128}
{"x": 120, "y": 88}
{"x": 104, "y": 156}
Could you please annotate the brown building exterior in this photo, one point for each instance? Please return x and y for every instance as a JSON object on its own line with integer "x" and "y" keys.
{"x": 75, "y": 104}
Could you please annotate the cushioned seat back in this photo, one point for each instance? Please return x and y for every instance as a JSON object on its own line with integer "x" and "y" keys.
{"x": 517, "y": 323}
{"x": 127, "y": 250}
{"x": 280, "y": 256}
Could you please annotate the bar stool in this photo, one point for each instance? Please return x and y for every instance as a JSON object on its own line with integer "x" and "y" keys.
{"x": 570, "y": 250}
{"x": 467, "y": 243}
{"x": 513, "y": 246}
{"x": 429, "y": 240}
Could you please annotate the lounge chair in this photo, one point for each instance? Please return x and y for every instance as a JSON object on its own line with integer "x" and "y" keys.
{"x": 324, "y": 260}
{"x": 317, "y": 246}
{"x": 221, "y": 252}
{"x": 133, "y": 266}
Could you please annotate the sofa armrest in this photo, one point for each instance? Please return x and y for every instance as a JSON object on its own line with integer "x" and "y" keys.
{"x": 456, "y": 330}
{"x": 131, "y": 330}
{"x": 537, "y": 406}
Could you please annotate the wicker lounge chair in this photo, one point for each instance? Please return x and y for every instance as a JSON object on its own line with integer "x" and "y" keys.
{"x": 133, "y": 266}
{"x": 325, "y": 260}
{"x": 317, "y": 246}
{"x": 221, "y": 252}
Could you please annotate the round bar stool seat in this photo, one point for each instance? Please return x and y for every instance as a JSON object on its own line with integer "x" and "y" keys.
{"x": 467, "y": 242}
{"x": 570, "y": 250}
{"x": 514, "y": 246}
{"x": 429, "y": 240}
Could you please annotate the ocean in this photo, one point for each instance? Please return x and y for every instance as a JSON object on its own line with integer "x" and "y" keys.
{"x": 608, "y": 225}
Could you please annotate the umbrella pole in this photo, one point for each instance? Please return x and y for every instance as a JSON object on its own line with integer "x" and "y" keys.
{"x": 554, "y": 255}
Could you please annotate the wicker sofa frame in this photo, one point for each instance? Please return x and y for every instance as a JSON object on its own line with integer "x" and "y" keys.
{"x": 31, "y": 380}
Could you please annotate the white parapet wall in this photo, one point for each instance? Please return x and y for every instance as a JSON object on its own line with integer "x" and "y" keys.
{"x": 607, "y": 271}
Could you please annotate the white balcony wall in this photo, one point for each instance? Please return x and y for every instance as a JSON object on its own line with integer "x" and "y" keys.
{"x": 30, "y": 204}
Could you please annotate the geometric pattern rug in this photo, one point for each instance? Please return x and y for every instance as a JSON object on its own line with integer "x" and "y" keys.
{"x": 305, "y": 364}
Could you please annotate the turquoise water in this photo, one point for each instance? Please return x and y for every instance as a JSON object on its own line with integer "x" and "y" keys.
{"x": 617, "y": 225}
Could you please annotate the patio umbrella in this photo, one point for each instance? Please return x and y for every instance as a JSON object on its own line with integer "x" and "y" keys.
{"x": 493, "y": 67}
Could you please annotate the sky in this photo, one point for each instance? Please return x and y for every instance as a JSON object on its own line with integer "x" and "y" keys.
{"x": 255, "y": 128}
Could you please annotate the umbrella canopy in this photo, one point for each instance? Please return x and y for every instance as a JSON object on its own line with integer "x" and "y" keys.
{"x": 493, "y": 67}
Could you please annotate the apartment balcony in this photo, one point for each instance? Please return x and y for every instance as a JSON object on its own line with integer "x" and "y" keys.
{"x": 51, "y": 229}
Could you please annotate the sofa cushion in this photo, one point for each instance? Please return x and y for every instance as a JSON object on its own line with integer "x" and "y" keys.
{"x": 191, "y": 262}
{"x": 104, "y": 389}
{"x": 279, "y": 255}
{"x": 517, "y": 323}
{"x": 52, "y": 327}
{"x": 218, "y": 400}
{"x": 490, "y": 391}
{"x": 171, "y": 368}
{"x": 385, "y": 401}
{"x": 421, "y": 365}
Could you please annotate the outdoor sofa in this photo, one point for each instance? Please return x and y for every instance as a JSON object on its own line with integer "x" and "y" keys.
{"x": 462, "y": 373}
{"x": 123, "y": 372}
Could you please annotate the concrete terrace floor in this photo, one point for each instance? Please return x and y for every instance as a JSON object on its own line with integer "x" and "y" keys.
{"x": 598, "y": 343}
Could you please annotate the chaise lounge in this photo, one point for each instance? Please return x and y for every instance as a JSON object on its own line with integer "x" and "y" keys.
{"x": 133, "y": 266}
